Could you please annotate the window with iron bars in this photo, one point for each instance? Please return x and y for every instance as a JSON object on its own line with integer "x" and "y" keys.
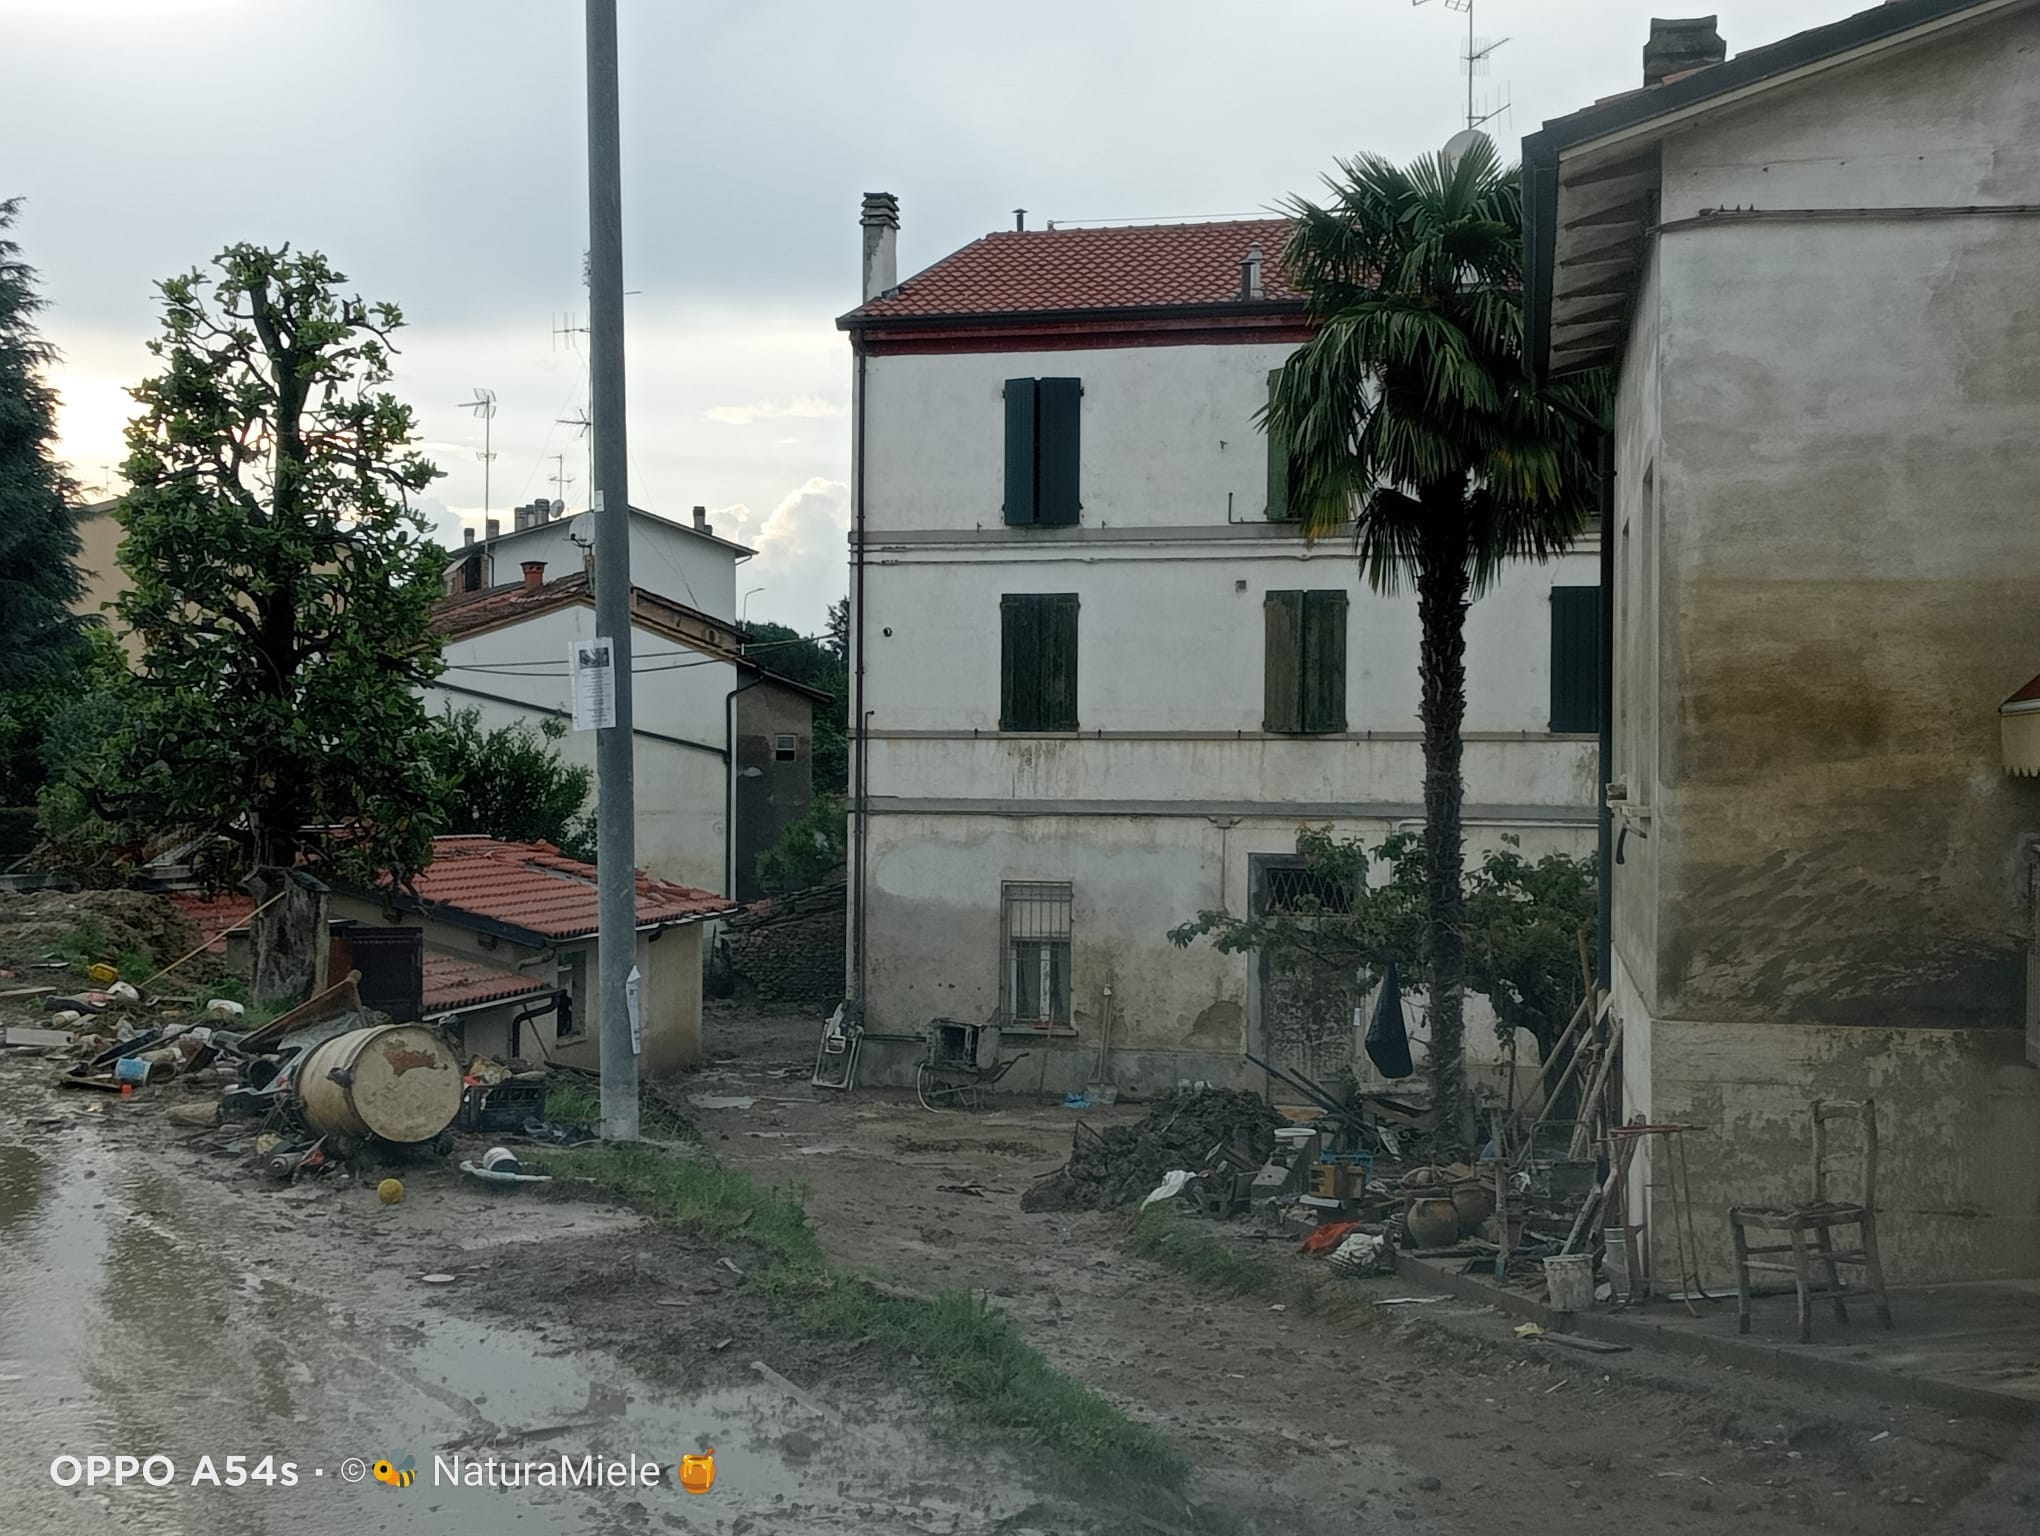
{"x": 1304, "y": 890}
{"x": 1035, "y": 919}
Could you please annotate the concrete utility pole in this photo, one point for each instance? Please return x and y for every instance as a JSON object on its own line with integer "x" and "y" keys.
{"x": 616, "y": 825}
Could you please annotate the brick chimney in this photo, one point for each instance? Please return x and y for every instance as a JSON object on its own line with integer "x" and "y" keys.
{"x": 701, "y": 522}
{"x": 881, "y": 221}
{"x": 1681, "y": 44}
{"x": 534, "y": 574}
{"x": 493, "y": 528}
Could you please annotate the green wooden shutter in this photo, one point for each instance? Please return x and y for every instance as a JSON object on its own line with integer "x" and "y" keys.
{"x": 1038, "y": 661}
{"x": 1576, "y": 659}
{"x": 1059, "y": 437}
{"x": 1058, "y": 664}
{"x": 1020, "y": 433}
{"x": 1278, "y": 508}
{"x": 1282, "y": 706}
{"x": 1324, "y": 661}
{"x": 1019, "y": 670}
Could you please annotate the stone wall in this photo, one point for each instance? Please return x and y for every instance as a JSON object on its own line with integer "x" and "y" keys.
{"x": 789, "y": 949}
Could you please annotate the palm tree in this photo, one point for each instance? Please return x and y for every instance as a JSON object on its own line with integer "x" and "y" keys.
{"x": 1409, "y": 415}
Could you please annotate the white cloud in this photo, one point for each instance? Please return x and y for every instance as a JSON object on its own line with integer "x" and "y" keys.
{"x": 767, "y": 410}
{"x": 803, "y": 560}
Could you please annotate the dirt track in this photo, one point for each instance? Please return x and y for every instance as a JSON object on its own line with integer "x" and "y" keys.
{"x": 1326, "y": 1419}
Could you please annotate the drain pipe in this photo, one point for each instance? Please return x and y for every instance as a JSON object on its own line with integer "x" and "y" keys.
{"x": 860, "y": 799}
{"x": 730, "y": 792}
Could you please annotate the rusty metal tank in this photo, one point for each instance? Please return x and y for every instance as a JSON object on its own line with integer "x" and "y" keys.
{"x": 396, "y": 1081}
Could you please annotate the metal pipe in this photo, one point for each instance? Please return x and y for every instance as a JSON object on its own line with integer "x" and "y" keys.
{"x": 859, "y": 717}
{"x": 616, "y": 826}
{"x": 1605, "y": 939}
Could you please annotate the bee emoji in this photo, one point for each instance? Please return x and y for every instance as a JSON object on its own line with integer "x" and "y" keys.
{"x": 397, "y": 1476}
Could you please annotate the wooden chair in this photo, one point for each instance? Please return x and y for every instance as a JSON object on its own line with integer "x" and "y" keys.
{"x": 1809, "y": 1226}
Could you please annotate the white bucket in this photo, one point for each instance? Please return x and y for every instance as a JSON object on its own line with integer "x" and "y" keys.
{"x": 1570, "y": 1278}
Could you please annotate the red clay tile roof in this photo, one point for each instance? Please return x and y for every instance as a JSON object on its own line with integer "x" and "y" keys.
{"x": 536, "y": 887}
{"x": 1128, "y": 267}
{"x": 453, "y": 981}
{"x": 497, "y": 605}
{"x": 215, "y": 915}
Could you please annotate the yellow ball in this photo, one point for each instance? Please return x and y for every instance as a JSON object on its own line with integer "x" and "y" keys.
{"x": 390, "y": 1191}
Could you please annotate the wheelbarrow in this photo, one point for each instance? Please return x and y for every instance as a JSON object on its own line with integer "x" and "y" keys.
{"x": 963, "y": 1062}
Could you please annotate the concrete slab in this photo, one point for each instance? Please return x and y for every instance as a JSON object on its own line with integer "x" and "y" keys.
{"x": 1973, "y": 1347}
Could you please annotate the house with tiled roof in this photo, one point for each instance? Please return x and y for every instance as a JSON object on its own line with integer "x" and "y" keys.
{"x": 1102, "y": 678}
{"x": 724, "y": 744}
{"x": 509, "y": 934}
{"x": 1810, "y": 266}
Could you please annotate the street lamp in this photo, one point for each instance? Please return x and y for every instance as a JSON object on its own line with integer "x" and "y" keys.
{"x": 744, "y": 611}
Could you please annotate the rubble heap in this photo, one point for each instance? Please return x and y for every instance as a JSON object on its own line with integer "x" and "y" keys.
{"x": 1122, "y": 1164}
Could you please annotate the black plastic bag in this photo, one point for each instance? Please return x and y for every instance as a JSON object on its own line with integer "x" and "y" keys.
{"x": 1388, "y": 1038}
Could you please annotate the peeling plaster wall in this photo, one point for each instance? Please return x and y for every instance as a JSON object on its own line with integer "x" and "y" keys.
{"x": 1845, "y": 472}
{"x": 935, "y": 894}
{"x": 1958, "y": 1132}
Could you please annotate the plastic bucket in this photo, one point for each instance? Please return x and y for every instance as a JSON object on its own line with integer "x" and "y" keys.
{"x": 131, "y": 1069}
{"x": 1570, "y": 1278}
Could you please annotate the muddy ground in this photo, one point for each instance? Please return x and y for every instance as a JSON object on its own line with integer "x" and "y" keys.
{"x": 156, "y": 1294}
{"x": 1323, "y": 1410}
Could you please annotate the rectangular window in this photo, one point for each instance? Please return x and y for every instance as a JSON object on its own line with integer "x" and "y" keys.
{"x": 1281, "y": 467}
{"x": 1038, "y": 661}
{"x": 1305, "y": 662}
{"x": 1575, "y": 660}
{"x": 571, "y": 1022}
{"x": 785, "y": 748}
{"x": 1036, "y": 985}
{"x": 1044, "y": 419}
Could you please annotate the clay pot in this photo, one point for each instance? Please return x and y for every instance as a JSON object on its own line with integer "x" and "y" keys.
{"x": 1432, "y": 1223}
{"x": 1474, "y": 1204}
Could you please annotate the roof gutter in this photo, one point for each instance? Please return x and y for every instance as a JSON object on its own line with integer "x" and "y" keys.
{"x": 857, "y": 320}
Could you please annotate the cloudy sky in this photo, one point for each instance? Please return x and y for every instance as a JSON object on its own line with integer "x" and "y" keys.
{"x": 434, "y": 150}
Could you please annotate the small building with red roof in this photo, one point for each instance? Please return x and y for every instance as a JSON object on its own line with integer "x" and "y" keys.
{"x": 510, "y": 937}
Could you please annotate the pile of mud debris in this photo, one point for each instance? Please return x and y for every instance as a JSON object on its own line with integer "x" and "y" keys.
{"x": 37, "y": 925}
{"x": 1124, "y": 1163}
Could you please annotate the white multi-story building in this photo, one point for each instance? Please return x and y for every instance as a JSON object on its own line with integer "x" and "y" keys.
{"x": 1102, "y": 679}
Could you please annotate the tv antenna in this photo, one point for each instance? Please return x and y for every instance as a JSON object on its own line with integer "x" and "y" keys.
{"x": 580, "y": 422}
{"x": 564, "y": 331}
{"x": 560, "y": 478}
{"x": 484, "y": 406}
{"x": 1479, "y": 55}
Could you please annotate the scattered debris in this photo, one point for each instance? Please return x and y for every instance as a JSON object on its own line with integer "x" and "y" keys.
{"x": 720, "y": 1100}
{"x": 800, "y": 1395}
{"x": 1110, "y": 1168}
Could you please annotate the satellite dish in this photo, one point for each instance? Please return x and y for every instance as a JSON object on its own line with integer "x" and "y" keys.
{"x": 1460, "y": 143}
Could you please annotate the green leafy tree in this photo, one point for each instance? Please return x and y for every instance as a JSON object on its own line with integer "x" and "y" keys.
{"x": 283, "y": 582}
{"x": 1408, "y": 415}
{"x": 1524, "y": 924}
{"x": 511, "y": 783}
{"x": 39, "y": 577}
{"x": 811, "y": 849}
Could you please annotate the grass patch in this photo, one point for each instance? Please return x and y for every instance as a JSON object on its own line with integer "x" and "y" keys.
{"x": 972, "y": 1349}
{"x": 1190, "y": 1247}
{"x": 574, "y": 1105}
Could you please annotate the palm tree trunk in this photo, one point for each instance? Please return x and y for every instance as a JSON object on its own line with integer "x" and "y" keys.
{"x": 1442, "y": 585}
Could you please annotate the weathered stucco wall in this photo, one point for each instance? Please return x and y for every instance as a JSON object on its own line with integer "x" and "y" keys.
{"x": 1847, "y": 479}
{"x": 935, "y": 897}
{"x": 1958, "y": 1128}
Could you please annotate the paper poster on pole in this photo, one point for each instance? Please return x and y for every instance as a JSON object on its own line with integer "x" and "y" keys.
{"x": 592, "y": 665}
{"x": 630, "y": 1001}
